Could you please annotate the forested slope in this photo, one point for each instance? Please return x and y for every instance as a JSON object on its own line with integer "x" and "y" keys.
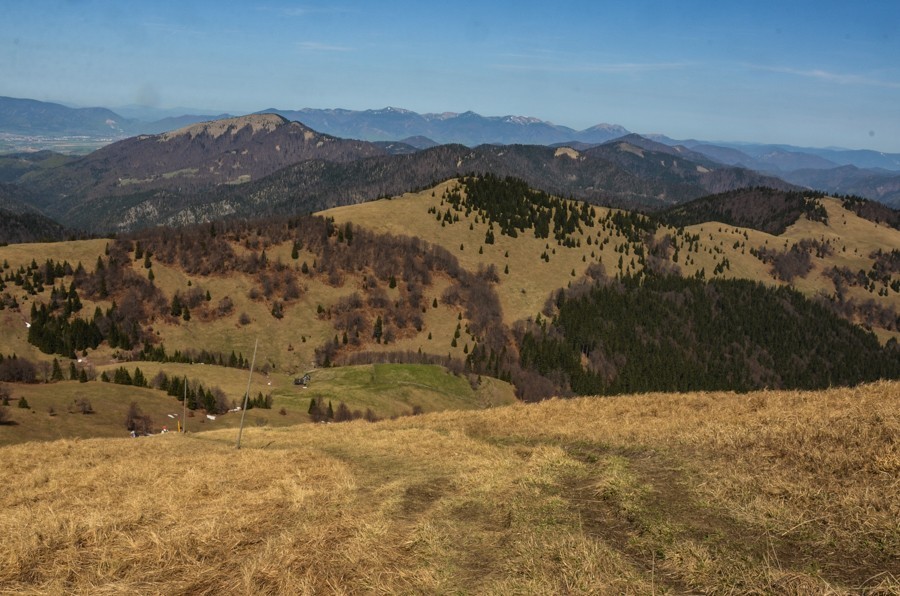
{"x": 681, "y": 334}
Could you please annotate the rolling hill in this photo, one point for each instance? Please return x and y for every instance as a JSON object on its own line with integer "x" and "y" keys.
{"x": 316, "y": 288}
{"x": 19, "y": 222}
{"x": 197, "y": 157}
{"x": 31, "y": 117}
{"x": 360, "y": 286}
{"x": 264, "y": 165}
{"x": 335, "y": 291}
{"x": 878, "y": 185}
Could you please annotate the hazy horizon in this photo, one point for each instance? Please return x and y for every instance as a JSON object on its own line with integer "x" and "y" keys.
{"x": 807, "y": 74}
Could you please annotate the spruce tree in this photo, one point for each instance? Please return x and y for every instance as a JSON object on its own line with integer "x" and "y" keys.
{"x": 57, "y": 374}
{"x": 377, "y": 330}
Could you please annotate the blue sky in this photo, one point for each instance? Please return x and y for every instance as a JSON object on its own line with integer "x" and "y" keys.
{"x": 806, "y": 73}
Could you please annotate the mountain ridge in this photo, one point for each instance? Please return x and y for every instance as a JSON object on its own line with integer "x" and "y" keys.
{"x": 397, "y": 124}
{"x": 191, "y": 174}
{"x": 29, "y": 116}
{"x": 189, "y": 159}
{"x": 466, "y": 128}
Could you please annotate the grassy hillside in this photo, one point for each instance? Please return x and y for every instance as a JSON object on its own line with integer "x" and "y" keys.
{"x": 767, "y": 492}
{"x": 312, "y": 294}
{"x": 386, "y": 389}
{"x": 716, "y": 249}
{"x": 522, "y": 291}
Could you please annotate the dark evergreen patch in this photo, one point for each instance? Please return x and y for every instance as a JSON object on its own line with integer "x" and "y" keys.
{"x": 515, "y": 207}
{"x": 760, "y": 208}
{"x": 211, "y": 399}
{"x": 16, "y": 228}
{"x": 676, "y": 334}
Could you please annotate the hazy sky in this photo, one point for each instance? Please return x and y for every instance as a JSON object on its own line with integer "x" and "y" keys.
{"x": 821, "y": 73}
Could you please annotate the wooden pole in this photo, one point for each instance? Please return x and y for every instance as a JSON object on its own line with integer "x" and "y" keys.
{"x": 247, "y": 395}
{"x": 184, "y": 408}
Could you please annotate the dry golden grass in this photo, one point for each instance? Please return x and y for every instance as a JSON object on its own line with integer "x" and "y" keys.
{"x": 531, "y": 280}
{"x": 852, "y": 238}
{"x": 522, "y": 292}
{"x": 767, "y": 492}
{"x": 109, "y": 402}
{"x": 281, "y": 341}
{"x": 84, "y": 251}
{"x": 15, "y": 335}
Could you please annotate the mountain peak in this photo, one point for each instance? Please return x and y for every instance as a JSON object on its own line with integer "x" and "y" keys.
{"x": 613, "y": 128}
{"x": 217, "y": 128}
{"x": 522, "y": 120}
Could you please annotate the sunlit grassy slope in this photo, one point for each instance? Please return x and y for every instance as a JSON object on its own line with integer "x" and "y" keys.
{"x": 387, "y": 389}
{"x": 288, "y": 344}
{"x": 530, "y": 280}
{"x": 767, "y": 492}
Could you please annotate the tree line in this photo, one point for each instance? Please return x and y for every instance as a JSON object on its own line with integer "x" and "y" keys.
{"x": 666, "y": 333}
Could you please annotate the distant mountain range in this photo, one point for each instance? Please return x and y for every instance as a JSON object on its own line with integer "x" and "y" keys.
{"x": 878, "y": 185}
{"x": 759, "y": 156}
{"x": 396, "y": 131}
{"x": 467, "y": 128}
{"x": 870, "y": 174}
{"x": 31, "y": 117}
{"x": 264, "y": 164}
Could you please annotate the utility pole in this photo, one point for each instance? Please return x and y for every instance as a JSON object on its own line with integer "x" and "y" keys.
{"x": 247, "y": 395}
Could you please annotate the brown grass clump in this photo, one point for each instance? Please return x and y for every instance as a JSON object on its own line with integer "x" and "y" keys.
{"x": 768, "y": 492}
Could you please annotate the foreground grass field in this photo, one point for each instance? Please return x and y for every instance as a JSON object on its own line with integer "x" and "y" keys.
{"x": 767, "y": 492}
